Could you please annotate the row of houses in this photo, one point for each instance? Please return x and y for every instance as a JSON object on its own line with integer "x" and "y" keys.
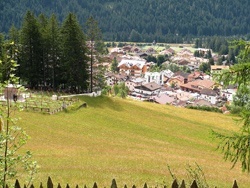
{"x": 164, "y": 87}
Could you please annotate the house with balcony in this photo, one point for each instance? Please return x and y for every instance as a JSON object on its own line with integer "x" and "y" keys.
{"x": 133, "y": 67}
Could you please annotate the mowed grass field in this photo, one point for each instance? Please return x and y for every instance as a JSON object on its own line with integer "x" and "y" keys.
{"x": 131, "y": 141}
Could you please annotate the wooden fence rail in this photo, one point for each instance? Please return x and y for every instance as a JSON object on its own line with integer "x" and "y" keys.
{"x": 114, "y": 185}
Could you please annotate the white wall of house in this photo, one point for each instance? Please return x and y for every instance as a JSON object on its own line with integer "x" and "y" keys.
{"x": 209, "y": 98}
{"x": 154, "y": 77}
{"x": 229, "y": 93}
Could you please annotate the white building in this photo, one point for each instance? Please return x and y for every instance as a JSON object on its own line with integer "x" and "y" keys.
{"x": 158, "y": 77}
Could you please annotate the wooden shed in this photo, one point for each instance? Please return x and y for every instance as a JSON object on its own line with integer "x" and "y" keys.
{"x": 10, "y": 92}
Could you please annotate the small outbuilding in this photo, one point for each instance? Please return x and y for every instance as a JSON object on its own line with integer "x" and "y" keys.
{"x": 10, "y": 92}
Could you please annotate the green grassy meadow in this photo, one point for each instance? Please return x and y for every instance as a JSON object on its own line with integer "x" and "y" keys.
{"x": 131, "y": 141}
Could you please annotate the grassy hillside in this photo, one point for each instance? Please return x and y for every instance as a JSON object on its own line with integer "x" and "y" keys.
{"x": 130, "y": 141}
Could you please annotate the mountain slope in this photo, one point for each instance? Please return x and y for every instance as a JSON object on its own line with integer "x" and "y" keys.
{"x": 151, "y": 19}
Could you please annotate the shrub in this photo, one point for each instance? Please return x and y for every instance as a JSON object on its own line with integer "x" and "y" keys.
{"x": 205, "y": 108}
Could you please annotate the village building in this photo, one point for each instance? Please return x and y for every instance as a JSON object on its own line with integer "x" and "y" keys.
{"x": 133, "y": 67}
{"x": 113, "y": 78}
{"x": 157, "y": 77}
{"x": 146, "y": 91}
{"x": 133, "y": 82}
{"x": 197, "y": 85}
{"x": 209, "y": 95}
{"x": 196, "y": 75}
{"x": 217, "y": 69}
{"x": 164, "y": 98}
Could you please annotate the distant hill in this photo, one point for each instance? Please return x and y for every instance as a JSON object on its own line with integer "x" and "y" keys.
{"x": 142, "y": 20}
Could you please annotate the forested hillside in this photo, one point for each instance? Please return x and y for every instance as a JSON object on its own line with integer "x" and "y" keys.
{"x": 141, "y": 20}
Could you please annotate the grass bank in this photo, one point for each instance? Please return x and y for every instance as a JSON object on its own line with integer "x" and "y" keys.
{"x": 130, "y": 141}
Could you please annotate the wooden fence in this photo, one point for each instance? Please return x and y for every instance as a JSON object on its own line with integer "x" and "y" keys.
{"x": 44, "y": 104}
{"x": 114, "y": 185}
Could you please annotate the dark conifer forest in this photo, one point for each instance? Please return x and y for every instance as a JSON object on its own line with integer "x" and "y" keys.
{"x": 141, "y": 20}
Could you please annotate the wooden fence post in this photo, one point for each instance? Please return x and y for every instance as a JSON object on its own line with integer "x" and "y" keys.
{"x": 175, "y": 184}
{"x": 194, "y": 185}
{"x": 17, "y": 184}
{"x": 59, "y": 186}
{"x": 67, "y": 186}
{"x": 145, "y": 185}
{"x": 95, "y": 185}
{"x": 183, "y": 184}
{"x": 113, "y": 185}
{"x": 49, "y": 183}
{"x": 41, "y": 185}
{"x": 235, "y": 184}
{"x": 125, "y": 186}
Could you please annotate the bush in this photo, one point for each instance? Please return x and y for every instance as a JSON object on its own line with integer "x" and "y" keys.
{"x": 205, "y": 108}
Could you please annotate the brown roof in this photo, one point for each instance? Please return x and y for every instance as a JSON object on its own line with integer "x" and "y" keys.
{"x": 208, "y": 92}
{"x": 164, "y": 99}
{"x": 198, "y": 85}
{"x": 171, "y": 50}
{"x": 151, "y": 86}
{"x": 183, "y": 74}
{"x": 183, "y": 62}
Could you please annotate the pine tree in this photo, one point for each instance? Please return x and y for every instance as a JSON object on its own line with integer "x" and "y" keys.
{"x": 14, "y": 34}
{"x": 43, "y": 26}
{"x": 31, "y": 65}
{"x": 96, "y": 46}
{"x": 74, "y": 58}
{"x": 54, "y": 52}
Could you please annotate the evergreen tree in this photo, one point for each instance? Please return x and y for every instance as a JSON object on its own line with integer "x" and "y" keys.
{"x": 209, "y": 54}
{"x": 160, "y": 59}
{"x": 236, "y": 147}
{"x": 31, "y": 59}
{"x": 231, "y": 56}
{"x": 54, "y": 52}
{"x": 43, "y": 26}
{"x": 96, "y": 45}
{"x": 135, "y": 36}
{"x": 114, "y": 65}
{"x": 205, "y": 67}
{"x": 74, "y": 56}
{"x": 14, "y": 34}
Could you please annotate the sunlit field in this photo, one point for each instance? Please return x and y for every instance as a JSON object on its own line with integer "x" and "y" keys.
{"x": 131, "y": 141}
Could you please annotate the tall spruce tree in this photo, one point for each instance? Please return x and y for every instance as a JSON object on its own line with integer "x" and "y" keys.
{"x": 43, "y": 26}
{"x": 96, "y": 46}
{"x": 31, "y": 56}
{"x": 14, "y": 34}
{"x": 74, "y": 56}
{"x": 54, "y": 52}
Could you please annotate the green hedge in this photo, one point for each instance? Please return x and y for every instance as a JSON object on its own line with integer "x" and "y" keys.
{"x": 205, "y": 108}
